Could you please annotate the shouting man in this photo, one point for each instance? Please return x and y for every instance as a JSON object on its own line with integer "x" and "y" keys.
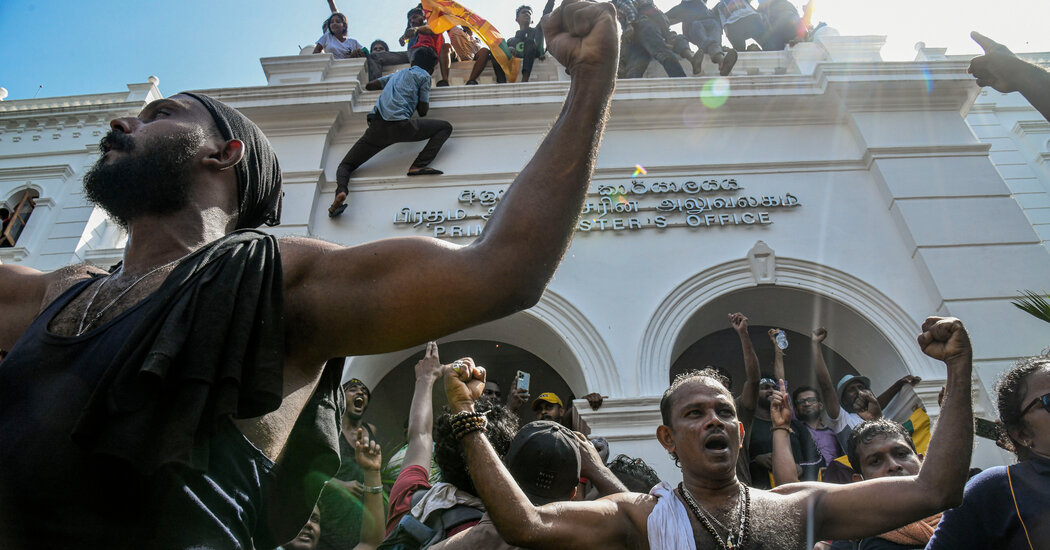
{"x": 711, "y": 508}
{"x": 180, "y": 401}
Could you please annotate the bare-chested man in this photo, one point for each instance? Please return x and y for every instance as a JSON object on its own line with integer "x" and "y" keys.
{"x": 711, "y": 509}
{"x": 180, "y": 177}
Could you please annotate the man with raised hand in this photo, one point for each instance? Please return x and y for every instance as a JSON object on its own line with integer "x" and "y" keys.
{"x": 198, "y": 364}
{"x": 710, "y": 508}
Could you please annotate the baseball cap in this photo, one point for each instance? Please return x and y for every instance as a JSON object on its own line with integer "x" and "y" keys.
{"x": 545, "y": 461}
{"x": 548, "y": 397}
{"x": 845, "y": 381}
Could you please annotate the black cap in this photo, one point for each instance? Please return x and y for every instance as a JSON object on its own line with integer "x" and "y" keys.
{"x": 545, "y": 461}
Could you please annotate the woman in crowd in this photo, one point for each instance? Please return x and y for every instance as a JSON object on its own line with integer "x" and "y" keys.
{"x": 334, "y": 40}
{"x": 1006, "y": 506}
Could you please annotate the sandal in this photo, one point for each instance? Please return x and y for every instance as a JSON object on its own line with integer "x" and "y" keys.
{"x": 339, "y": 205}
{"x": 426, "y": 172}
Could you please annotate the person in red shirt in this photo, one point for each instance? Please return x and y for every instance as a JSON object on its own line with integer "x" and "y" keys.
{"x": 418, "y": 35}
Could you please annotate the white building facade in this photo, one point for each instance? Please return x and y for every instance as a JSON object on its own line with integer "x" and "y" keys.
{"x": 819, "y": 186}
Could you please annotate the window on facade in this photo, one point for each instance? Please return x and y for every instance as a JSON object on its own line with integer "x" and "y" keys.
{"x": 14, "y": 215}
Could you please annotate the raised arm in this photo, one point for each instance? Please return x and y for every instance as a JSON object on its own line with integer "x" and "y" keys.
{"x": 395, "y": 293}
{"x": 370, "y": 458}
{"x": 784, "y": 468}
{"x": 421, "y": 416}
{"x": 894, "y": 501}
{"x": 752, "y": 372}
{"x": 1004, "y": 71}
{"x": 593, "y": 468}
{"x": 778, "y": 355}
{"x": 331, "y": 6}
{"x": 827, "y": 387}
{"x": 605, "y": 523}
{"x": 895, "y": 388}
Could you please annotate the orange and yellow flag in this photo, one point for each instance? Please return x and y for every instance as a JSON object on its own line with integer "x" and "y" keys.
{"x": 442, "y": 15}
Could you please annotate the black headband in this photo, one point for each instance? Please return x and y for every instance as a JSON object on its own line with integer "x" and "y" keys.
{"x": 258, "y": 172}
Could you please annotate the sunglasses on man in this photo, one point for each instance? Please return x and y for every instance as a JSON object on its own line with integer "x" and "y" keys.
{"x": 1045, "y": 400}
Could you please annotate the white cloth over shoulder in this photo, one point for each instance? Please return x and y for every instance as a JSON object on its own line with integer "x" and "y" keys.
{"x": 668, "y": 524}
{"x": 443, "y": 496}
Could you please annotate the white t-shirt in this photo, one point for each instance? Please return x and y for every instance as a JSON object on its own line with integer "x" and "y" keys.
{"x": 338, "y": 49}
{"x": 844, "y": 420}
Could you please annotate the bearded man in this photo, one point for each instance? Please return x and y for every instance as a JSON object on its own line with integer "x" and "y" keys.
{"x": 180, "y": 401}
{"x": 711, "y": 508}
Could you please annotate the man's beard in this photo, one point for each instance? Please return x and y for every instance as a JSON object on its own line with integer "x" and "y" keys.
{"x": 809, "y": 416}
{"x": 146, "y": 181}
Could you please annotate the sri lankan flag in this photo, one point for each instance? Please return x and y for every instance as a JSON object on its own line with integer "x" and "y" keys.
{"x": 918, "y": 425}
{"x": 442, "y": 15}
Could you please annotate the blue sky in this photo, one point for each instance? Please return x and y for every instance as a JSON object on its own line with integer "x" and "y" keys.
{"x": 65, "y": 47}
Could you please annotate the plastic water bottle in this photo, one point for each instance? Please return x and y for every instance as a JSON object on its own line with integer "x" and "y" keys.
{"x": 782, "y": 340}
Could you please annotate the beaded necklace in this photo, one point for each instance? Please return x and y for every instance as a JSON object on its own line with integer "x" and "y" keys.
{"x": 732, "y": 541}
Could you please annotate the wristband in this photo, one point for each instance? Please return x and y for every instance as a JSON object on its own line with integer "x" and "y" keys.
{"x": 373, "y": 490}
{"x": 785, "y": 428}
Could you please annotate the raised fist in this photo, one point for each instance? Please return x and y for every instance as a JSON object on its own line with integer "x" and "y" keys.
{"x": 945, "y": 338}
{"x": 581, "y": 33}
{"x": 464, "y": 383}
{"x": 739, "y": 322}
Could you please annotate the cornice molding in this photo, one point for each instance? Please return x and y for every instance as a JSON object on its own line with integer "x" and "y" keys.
{"x": 55, "y": 171}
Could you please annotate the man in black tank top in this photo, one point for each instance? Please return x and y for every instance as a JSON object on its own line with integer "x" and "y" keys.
{"x": 180, "y": 401}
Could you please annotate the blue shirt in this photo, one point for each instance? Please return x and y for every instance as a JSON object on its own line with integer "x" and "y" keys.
{"x": 402, "y": 91}
{"x": 987, "y": 518}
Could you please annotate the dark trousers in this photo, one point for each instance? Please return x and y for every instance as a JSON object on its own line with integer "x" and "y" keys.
{"x": 740, "y": 30}
{"x": 383, "y": 133}
{"x": 376, "y": 61}
{"x": 651, "y": 38}
{"x": 706, "y": 34}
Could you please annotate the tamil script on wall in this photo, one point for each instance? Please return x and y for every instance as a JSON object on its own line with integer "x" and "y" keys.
{"x": 694, "y": 203}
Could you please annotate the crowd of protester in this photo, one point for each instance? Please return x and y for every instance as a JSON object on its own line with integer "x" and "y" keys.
{"x": 646, "y": 36}
{"x": 189, "y": 404}
{"x": 833, "y": 433}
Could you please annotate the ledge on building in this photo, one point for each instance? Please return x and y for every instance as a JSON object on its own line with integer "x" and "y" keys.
{"x": 308, "y": 68}
{"x": 13, "y": 254}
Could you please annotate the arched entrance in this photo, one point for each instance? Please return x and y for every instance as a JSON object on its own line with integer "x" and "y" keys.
{"x": 872, "y": 334}
{"x": 564, "y": 350}
{"x": 856, "y": 345}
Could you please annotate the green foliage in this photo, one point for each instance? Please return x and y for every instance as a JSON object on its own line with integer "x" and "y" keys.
{"x": 1036, "y": 305}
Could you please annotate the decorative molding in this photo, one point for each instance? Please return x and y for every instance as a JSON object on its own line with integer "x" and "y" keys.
{"x": 763, "y": 263}
{"x": 623, "y": 419}
{"x": 29, "y": 173}
{"x": 585, "y": 360}
{"x": 1025, "y": 128}
{"x": 583, "y": 339}
{"x": 682, "y": 303}
{"x": 13, "y": 254}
